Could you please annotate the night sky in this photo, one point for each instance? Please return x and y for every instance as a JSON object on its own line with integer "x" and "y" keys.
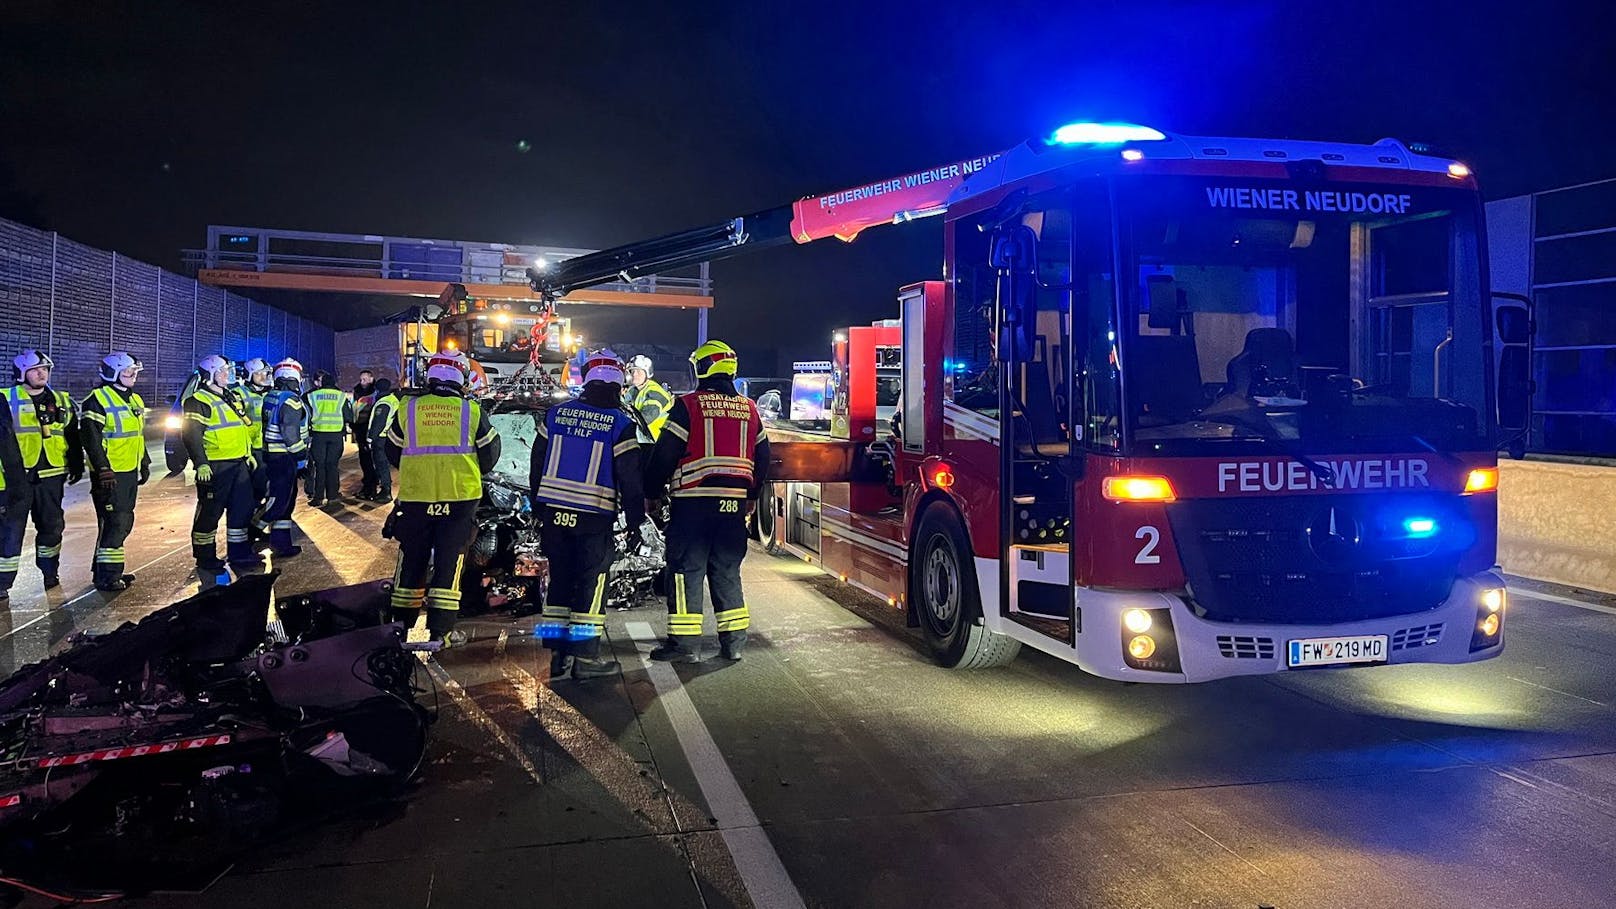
{"x": 133, "y": 125}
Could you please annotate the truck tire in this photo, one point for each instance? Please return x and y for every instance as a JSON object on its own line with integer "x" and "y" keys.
{"x": 763, "y": 524}
{"x": 942, "y": 587}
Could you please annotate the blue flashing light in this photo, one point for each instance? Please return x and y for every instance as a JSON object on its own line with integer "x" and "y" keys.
{"x": 550, "y": 631}
{"x": 1104, "y": 134}
{"x": 1419, "y": 528}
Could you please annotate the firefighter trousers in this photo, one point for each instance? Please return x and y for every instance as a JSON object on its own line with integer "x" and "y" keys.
{"x": 324, "y": 481}
{"x": 43, "y": 501}
{"x": 230, "y": 496}
{"x": 114, "y": 518}
{"x": 706, "y": 541}
{"x": 279, "y": 500}
{"x": 575, "y": 606}
{"x": 432, "y": 541}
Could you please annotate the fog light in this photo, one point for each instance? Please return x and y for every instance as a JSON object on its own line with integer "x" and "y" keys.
{"x": 1143, "y": 646}
{"x": 1136, "y": 621}
{"x": 1493, "y": 599}
{"x": 1489, "y": 625}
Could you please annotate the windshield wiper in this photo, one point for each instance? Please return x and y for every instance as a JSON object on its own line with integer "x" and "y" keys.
{"x": 1324, "y": 472}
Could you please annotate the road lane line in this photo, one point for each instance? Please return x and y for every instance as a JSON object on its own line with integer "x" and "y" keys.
{"x": 1564, "y": 601}
{"x": 47, "y": 613}
{"x": 759, "y": 865}
{"x": 1558, "y": 691}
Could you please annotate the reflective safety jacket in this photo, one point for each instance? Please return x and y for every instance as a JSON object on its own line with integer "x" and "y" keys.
{"x": 713, "y": 445}
{"x": 654, "y": 404}
{"x": 443, "y": 441}
{"x": 329, "y": 410}
{"x": 226, "y": 427}
{"x": 381, "y": 415}
{"x": 285, "y": 422}
{"x": 47, "y": 436}
{"x": 114, "y": 428}
{"x": 580, "y": 460}
{"x": 255, "y": 409}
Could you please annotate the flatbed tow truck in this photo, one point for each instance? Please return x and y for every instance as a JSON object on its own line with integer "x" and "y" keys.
{"x": 1178, "y": 408}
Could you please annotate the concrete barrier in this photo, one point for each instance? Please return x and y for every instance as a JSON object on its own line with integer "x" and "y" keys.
{"x": 1557, "y": 522}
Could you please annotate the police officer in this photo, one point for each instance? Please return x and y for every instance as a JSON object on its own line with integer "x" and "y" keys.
{"x": 218, "y": 438}
{"x": 586, "y": 466}
{"x": 113, "y": 426}
{"x": 712, "y": 459}
{"x": 330, "y": 413}
{"x": 286, "y": 453}
{"x": 647, "y": 396}
{"x": 377, "y": 421}
{"x": 46, "y": 425}
{"x": 364, "y": 395}
{"x": 442, "y": 443}
{"x": 255, "y": 374}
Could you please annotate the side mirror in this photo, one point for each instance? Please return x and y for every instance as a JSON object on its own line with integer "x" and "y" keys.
{"x": 1014, "y": 255}
{"x": 1512, "y": 338}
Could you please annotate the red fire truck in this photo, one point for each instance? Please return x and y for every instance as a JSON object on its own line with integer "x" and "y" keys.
{"x": 1179, "y": 408}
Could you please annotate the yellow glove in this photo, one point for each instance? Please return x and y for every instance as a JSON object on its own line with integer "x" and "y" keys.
{"x": 204, "y": 474}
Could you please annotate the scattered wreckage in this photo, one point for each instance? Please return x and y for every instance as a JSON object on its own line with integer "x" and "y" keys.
{"x": 149, "y": 757}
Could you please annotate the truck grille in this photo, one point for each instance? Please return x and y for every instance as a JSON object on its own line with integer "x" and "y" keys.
{"x": 1418, "y": 636}
{"x": 1316, "y": 559}
{"x": 1245, "y": 647}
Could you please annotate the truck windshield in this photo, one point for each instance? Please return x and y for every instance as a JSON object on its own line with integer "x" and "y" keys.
{"x": 499, "y": 338}
{"x": 1317, "y": 316}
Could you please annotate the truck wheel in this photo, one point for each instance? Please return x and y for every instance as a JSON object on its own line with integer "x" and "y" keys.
{"x": 942, "y": 586}
{"x": 767, "y": 523}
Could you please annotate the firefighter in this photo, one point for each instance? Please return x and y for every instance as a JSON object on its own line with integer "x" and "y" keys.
{"x": 364, "y": 394}
{"x": 218, "y": 437}
{"x": 330, "y": 415}
{"x": 712, "y": 459}
{"x": 112, "y": 424}
{"x": 45, "y": 422}
{"x": 585, "y": 467}
{"x": 647, "y": 396}
{"x": 377, "y": 421}
{"x": 286, "y": 454}
{"x": 255, "y": 374}
{"x": 442, "y": 443}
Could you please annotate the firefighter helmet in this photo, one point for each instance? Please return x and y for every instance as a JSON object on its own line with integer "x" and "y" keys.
{"x": 289, "y": 369}
{"x": 211, "y": 365}
{"x": 448, "y": 368}
{"x": 603, "y": 366}
{"x": 115, "y": 364}
{"x": 253, "y": 367}
{"x": 714, "y": 358}
{"x": 641, "y": 362}
{"x": 31, "y": 359}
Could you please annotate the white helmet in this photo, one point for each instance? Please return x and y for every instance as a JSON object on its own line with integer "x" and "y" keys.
{"x": 30, "y": 359}
{"x": 289, "y": 369}
{"x": 114, "y": 364}
{"x": 253, "y": 367}
{"x": 603, "y": 366}
{"x": 641, "y": 361}
{"x": 210, "y": 366}
{"x": 450, "y": 368}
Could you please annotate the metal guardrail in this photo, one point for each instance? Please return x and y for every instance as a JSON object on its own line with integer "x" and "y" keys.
{"x": 374, "y": 256}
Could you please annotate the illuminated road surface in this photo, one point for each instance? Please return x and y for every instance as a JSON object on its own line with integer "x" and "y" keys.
{"x": 835, "y": 766}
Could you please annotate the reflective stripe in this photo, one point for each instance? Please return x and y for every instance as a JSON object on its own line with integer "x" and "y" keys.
{"x": 204, "y": 539}
{"x": 235, "y": 535}
{"x": 679, "y": 606}
{"x": 413, "y": 447}
{"x": 47, "y": 552}
{"x": 709, "y": 492}
{"x": 733, "y": 619}
{"x": 108, "y": 556}
{"x": 407, "y": 597}
{"x": 685, "y": 625}
{"x": 10, "y": 564}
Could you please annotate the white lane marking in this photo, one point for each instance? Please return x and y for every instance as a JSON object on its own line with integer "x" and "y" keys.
{"x": 1558, "y": 691}
{"x": 47, "y": 613}
{"x": 759, "y": 865}
{"x": 1564, "y": 601}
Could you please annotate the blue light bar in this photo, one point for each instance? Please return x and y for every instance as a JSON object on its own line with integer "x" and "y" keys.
{"x": 1419, "y": 528}
{"x": 1104, "y": 134}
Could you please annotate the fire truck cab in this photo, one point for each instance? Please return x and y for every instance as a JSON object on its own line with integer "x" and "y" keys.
{"x": 1179, "y": 409}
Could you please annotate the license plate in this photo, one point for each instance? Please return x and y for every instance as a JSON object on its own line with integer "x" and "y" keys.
{"x": 1360, "y": 648}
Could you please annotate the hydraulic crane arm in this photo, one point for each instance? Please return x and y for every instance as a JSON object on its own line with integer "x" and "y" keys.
{"x": 843, "y": 214}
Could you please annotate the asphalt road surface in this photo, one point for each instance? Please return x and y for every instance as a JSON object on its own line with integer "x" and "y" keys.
{"x": 836, "y": 766}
